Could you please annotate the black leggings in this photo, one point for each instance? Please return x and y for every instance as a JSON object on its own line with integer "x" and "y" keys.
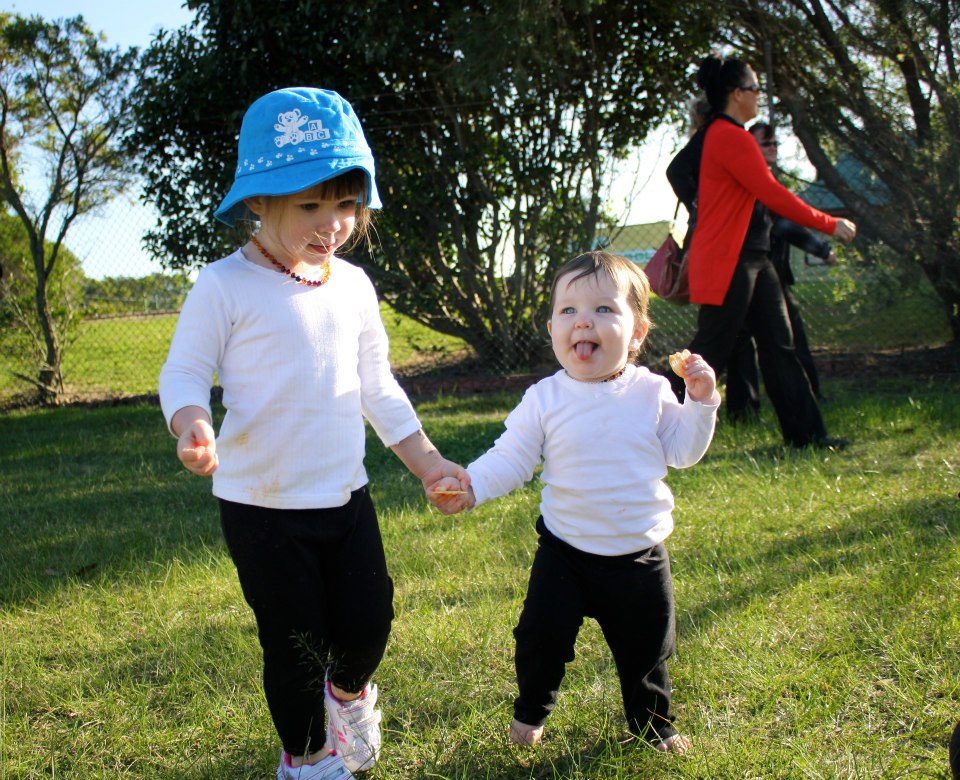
{"x": 755, "y": 302}
{"x": 631, "y": 598}
{"x": 318, "y": 585}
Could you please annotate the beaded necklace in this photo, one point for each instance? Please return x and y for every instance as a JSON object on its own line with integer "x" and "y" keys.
{"x": 324, "y": 277}
{"x": 615, "y": 376}
{"x": 601, "y": 381}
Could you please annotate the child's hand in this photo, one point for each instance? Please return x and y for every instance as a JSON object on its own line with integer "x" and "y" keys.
{"x": 197, "y": 449}
{"x": 450, "y": 496}
{"x": 447, "y": 486}
{"x": 700, "y": 379}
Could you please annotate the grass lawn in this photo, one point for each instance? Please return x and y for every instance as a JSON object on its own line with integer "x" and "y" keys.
{"x": 818, "y": 619}
{"x": 120, "y": 356}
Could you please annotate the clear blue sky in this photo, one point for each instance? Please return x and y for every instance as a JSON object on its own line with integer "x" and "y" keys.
{"x": 125, "y": 23}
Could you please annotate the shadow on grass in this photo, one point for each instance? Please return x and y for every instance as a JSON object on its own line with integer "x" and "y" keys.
{"x": 97, "y": 493}
{"x": 892, "y": 542}
{"x": 92, "y": 494}
{"x": 562, "y": 756}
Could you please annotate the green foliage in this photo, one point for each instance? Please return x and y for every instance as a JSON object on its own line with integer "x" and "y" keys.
{"x": 494, "y": 124}
{"x": 63, "y": 108}
{"x": 875, "y": 83}
{"x": 127, "y": 294}
{"x": 18, "y": 289}
{"x": 818, "y": 635}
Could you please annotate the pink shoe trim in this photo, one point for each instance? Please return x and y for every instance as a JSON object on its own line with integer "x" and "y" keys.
{"x": 361, "y": 697}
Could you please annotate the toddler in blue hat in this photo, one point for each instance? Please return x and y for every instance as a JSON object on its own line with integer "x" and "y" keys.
{"x": 293, "y": 333}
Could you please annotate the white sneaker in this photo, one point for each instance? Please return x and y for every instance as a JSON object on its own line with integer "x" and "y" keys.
{"x": 353, "y": 728}
{"x": 329, "y": 768}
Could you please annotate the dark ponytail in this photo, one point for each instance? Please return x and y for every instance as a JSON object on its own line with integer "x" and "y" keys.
{"x": 719, "y": 77}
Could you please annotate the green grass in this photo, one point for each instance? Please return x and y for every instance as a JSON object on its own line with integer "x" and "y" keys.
{"x": 818, "y": 628}
{"x": 122, "y": 356}
{"x": 911, "y": 317}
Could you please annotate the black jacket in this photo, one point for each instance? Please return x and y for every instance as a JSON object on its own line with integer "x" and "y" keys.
{"x": 785, "y": 233}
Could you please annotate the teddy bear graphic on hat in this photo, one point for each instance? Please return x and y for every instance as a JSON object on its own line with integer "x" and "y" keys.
{"x": 289, "y": 124}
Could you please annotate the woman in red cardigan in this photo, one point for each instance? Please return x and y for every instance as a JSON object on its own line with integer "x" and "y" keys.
{"x": 731, "y": 275}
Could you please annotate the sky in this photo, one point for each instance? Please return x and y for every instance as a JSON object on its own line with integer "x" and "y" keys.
{"x": 125, "y": 23}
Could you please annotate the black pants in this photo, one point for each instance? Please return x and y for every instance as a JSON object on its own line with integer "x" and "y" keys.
{"x": 318, "y": 585}
{"x": 743, "y": 368}
{"x": 755, "y": 302}
{"x": 742, "y": 399}
{"x": 630, "y": 597}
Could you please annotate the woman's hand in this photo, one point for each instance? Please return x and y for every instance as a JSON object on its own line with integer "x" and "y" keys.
{"x": 845, "y": 231}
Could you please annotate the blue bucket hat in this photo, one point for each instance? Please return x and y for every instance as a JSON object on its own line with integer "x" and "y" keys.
{"x": 293, "y": 139}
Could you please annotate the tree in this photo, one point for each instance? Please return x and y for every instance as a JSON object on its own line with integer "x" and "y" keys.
{"x": 63, "y": 108}
{"x": 21, "y": 333}
{"x": 494, "y": 123}
{"x": 876, "y": 81}
{"x": 127, "y": 294}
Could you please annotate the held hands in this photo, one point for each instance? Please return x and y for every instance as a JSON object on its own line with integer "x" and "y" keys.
{"x": 197, "y": 449}
{"x": 448, "y": 488}
{"x": 845, "y": 231}
{"x": 700, "y": 379}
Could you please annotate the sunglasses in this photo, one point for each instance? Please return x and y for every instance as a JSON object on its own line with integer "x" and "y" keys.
{"x": 751, "y": 88}
{"x": 770, "y": 144}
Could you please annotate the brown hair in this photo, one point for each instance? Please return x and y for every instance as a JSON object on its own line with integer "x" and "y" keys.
{"x": 762, "y": 131}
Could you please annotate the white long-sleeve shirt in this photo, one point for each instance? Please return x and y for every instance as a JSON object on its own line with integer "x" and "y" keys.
{"x": 605, "y": 449}
{"x": 300, "y": 368}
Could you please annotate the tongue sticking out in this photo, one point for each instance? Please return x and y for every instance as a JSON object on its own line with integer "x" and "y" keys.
{"x": 585, "y": 349}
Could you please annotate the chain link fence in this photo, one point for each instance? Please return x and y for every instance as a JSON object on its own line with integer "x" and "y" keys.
{"x": 123, "y": 309}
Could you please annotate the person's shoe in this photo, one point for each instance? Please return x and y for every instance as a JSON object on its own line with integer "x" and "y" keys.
{"x": 329, "y": 768}
{"x": 831, "y": 443}
{"x": 353, "y": 728}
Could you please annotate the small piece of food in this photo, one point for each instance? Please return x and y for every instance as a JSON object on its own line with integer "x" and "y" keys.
{"x": 676, "y": 362}
{"x": 449, "y": 492}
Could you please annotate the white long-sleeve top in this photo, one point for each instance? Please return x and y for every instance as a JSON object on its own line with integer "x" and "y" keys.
{"x": 605, "y": 449}
{"x": 300, "y": 368}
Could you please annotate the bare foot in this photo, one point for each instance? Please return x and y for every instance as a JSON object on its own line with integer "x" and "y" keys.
{"x": 524, "y": 734}
{"x": 676, "y": 744}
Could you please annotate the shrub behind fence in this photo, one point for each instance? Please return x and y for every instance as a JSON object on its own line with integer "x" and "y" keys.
{"x": 120, "y": 339}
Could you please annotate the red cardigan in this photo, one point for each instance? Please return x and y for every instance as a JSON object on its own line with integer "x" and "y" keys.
{"x": 733, "y": 175}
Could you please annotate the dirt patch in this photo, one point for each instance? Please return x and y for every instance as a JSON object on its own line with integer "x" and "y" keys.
{"x": 921, "y": 362}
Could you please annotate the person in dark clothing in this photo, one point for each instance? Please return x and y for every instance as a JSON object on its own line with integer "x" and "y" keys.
{"x": 683, "y": 172}
{"x": 743, "y": 370}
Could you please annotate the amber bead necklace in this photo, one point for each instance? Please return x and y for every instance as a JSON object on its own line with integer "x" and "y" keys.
{"x": 324, "y": 277}
{"x": 610, "y": 378}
